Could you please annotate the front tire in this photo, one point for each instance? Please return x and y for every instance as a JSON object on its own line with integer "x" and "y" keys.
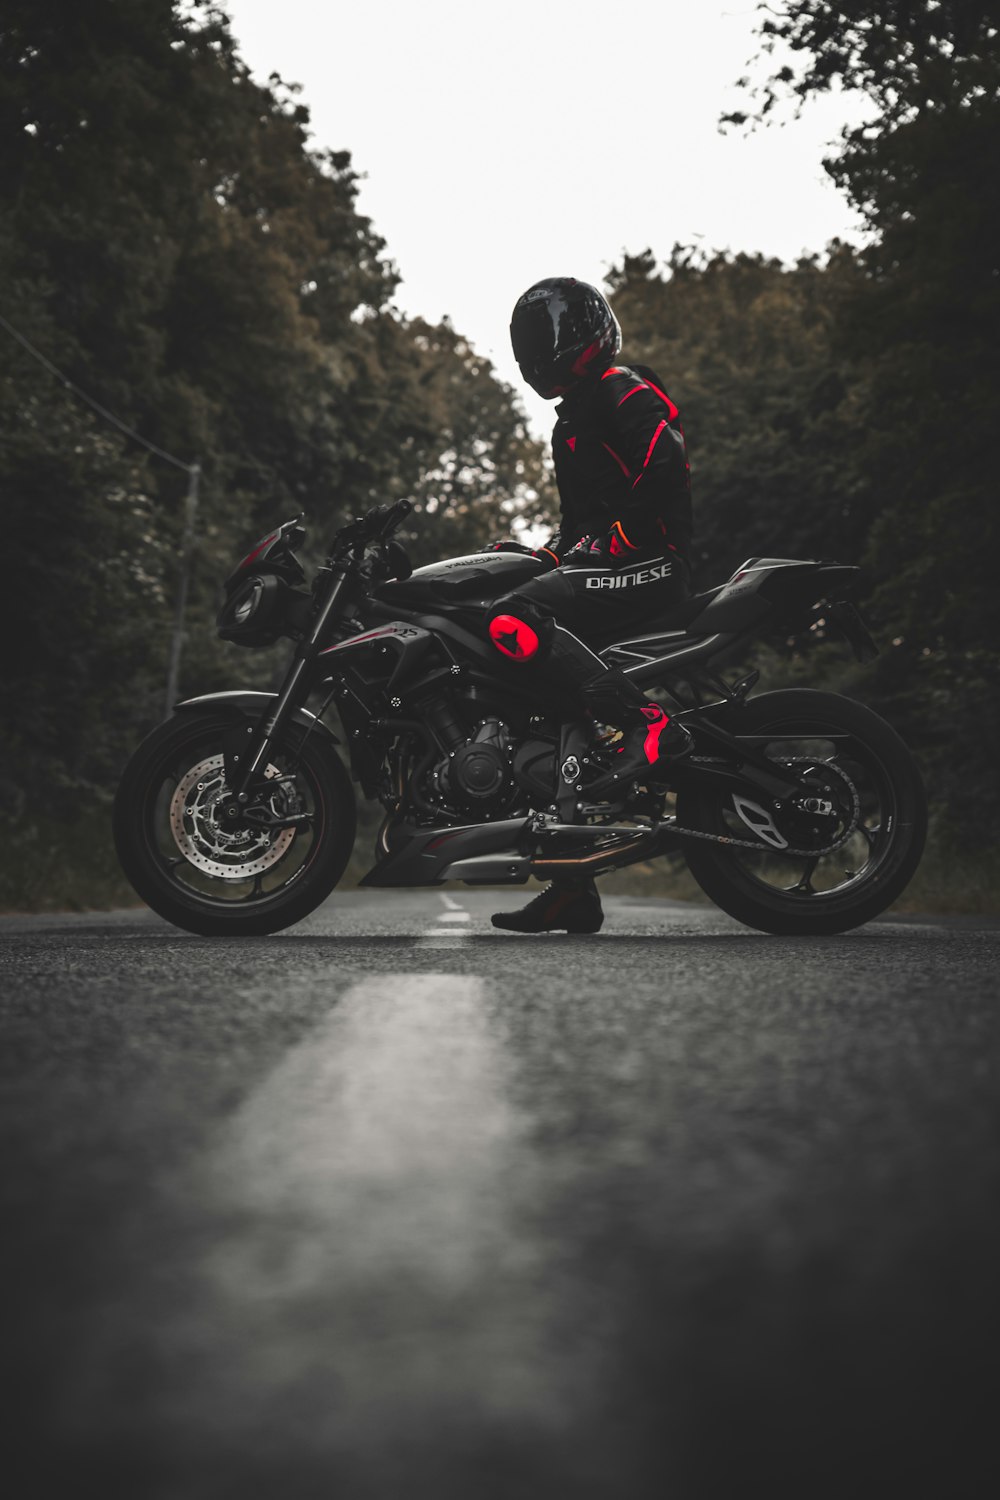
{"x": 199, "y": 876}
{"x": 814, "y": 896}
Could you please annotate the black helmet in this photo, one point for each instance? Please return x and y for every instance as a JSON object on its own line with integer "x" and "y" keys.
{"x": 563, "y": 329}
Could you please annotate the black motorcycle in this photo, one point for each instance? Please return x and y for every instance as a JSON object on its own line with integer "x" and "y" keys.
{"x": 797, "y": 811}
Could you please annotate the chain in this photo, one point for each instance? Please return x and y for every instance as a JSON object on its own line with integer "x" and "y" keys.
{"x": 718, "y": 838}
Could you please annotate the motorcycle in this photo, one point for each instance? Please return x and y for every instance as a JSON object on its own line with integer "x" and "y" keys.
{"x": 797, "y": 811}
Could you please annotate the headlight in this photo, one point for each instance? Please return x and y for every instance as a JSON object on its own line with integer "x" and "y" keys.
{"x": 248, "y": 605}
{"x": 254, "y": 613}
{"x": 261, "y": 608}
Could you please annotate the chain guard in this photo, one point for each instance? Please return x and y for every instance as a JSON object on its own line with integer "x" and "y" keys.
{"x": 762, "y": 848}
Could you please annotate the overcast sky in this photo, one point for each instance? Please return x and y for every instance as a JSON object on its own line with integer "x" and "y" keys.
{"x": 533, "y": 138}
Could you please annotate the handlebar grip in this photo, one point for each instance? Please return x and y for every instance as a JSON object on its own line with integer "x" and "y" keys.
{"x": 393, "y": 515}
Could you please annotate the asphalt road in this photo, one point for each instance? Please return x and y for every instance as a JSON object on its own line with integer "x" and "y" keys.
{"x": 396, "y": 1205}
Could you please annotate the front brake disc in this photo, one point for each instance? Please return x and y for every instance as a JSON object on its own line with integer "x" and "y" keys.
{"x": 194, "y": 823}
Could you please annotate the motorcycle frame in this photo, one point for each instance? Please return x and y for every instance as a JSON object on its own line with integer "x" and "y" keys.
{"x": 507, "y": 850}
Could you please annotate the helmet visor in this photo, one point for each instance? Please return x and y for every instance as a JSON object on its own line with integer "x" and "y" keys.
{"x": 546, "y": 336}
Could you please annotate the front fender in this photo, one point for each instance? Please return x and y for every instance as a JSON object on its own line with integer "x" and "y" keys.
{"x": 240, "y": 701}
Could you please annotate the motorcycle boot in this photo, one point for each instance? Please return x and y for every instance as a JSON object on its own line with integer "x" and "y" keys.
{"x": 564, "y": 906}
{"x": 653, "y": 741}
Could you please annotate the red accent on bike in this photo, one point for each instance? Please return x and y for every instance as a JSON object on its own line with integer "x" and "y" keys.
{"x": 571, "y": 444}
{"x": 658, "y": 722}
{"x": 619, "y": 461}
{"x": 554, "y": 555}
{"x": 513, "y": 637}
{"x": 259, "y": 549}
{"x": 615, "y": 370}
{"x": 672, "y": 409}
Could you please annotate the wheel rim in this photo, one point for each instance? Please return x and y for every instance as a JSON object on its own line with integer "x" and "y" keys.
{"x": 846, "y": 768}
{"x": 207, "y": 865}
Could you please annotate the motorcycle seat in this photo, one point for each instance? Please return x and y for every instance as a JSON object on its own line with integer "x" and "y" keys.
{"x": 678, "y": 617}
{"x": 681, "y": 615}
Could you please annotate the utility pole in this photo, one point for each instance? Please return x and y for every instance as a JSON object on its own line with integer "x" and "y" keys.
{"x": 186, "y": 554}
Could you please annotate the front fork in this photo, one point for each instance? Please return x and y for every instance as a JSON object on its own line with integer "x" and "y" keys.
{"x": 245, "y": 762}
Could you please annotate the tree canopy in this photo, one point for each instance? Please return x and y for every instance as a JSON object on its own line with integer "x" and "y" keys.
{"x": 844, "y": 406}
{"x": 171, "y": 239}
{"x": 770, "y": 407}
{"x": 921, "y": 326}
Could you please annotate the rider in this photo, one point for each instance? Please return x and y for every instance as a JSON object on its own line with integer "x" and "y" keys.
{"x": 619, "y": 557}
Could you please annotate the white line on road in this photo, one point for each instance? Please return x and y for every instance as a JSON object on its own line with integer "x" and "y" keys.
{"x": 369, "y": 1261}
{"x": 397, "y": 1087}
{"x": 441, "y": 936}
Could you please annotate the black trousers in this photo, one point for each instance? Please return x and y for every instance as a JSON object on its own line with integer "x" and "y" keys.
{"x": 575, "y": 611}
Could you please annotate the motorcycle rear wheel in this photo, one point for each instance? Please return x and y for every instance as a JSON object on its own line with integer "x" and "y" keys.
{"x": 201, "y": 877}
{"x": 813, "y": 896}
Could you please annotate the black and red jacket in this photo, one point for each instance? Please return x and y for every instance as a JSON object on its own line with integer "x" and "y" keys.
{"x": 620, "y": 455}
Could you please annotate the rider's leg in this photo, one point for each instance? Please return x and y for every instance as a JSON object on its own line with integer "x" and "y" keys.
{"x": 532, "y": 626}
{"x": 652, "y": 738}
{"x": 569, "y": 904}
{"x": 524, "y": 629}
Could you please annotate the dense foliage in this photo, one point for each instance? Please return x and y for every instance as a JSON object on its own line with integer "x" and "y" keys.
{"x": 770, "y": 406}
{"x": 171, "y": 241}
{"x": 848, "y": 407}
{"x": 169, "y": 238}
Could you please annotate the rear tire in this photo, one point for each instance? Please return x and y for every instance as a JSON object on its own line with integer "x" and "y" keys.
{"x": 210, "y": 882}
{"x": 886, "y": 847}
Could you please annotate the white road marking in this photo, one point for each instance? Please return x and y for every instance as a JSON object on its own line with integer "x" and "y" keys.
{"x": 384, "y": 1092}
{"x": 442, "y": 936}
{"x": 369, "y": 1262}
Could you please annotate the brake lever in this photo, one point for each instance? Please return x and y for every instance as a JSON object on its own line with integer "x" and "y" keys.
{"x": 375, "y": 526}
{"x": 396, "y": 513}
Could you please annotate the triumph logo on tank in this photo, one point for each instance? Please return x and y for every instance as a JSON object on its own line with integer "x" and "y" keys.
{"x": 630, "y": 580}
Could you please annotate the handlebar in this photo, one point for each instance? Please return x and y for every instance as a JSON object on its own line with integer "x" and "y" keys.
{"x": 395, "y": 515}
{"x": 376, "y": 525}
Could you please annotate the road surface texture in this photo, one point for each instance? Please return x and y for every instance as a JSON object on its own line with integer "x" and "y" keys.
{"x": 394, "y": 1205}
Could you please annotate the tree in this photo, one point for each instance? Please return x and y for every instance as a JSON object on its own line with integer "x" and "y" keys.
{"x": 482, "y": 471}
{"x": 170, "y": 238}
{"x": 746, "y": 346}
{"x": 925, "y": 321}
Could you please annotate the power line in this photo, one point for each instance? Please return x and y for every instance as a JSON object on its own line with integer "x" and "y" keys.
{"x": 109, "y": 416}
{"x": 193, "y": 472}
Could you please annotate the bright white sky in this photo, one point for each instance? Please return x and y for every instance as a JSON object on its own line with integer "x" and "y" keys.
{"x": 502, "y": 143}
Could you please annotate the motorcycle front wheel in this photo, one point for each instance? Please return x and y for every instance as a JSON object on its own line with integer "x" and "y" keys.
{"x": 181, "y": 859}
{"x": 870, "y": 813}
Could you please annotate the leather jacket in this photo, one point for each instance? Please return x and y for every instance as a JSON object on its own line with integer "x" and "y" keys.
{"x": 620, "y": 455}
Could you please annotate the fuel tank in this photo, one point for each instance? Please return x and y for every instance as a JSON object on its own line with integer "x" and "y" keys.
{"x": 478, "y": 578}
